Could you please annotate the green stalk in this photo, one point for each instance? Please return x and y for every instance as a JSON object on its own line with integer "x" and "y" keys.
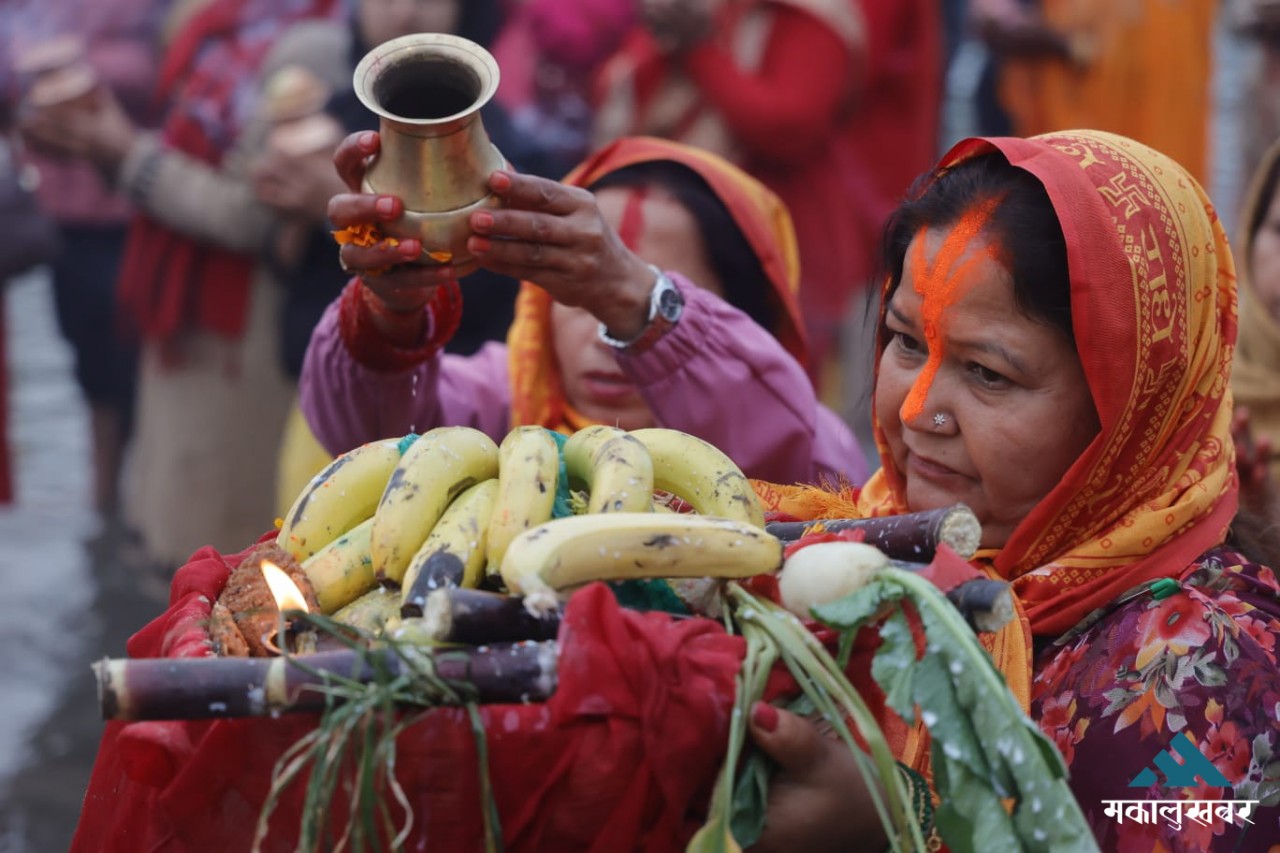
{"x": 716, "y": 836}
{"x": 985, "y": 750}
{"x": 832, "y": 694}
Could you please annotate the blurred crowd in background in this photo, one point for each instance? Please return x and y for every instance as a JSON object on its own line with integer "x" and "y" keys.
{"x": 170, "y": 161}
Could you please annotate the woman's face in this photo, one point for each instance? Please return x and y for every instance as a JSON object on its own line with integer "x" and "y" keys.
{"x": 383, "y": 20}
{"x": 988, "y": 408}
{"x": 669, "y": 239}
{"x": 1264, "y": 259}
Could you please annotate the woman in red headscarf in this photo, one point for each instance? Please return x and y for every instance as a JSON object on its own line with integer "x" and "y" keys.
{"x": 1054, "y": 351}
{"x": 726, "y": 366}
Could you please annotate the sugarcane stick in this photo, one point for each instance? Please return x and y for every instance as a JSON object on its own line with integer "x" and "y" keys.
{"x": 987, "y": 605}
{"x": 984, "y": 603}
{"x": 473, "y": 616}
{"x": 213, "y": 687}
{"x": 913, "y": 536}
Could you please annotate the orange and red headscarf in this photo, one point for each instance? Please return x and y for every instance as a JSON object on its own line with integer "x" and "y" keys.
{"x": 537, "y": 393}
{"x": 1153, "y": 301}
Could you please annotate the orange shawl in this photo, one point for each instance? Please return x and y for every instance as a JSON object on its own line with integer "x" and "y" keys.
{"x": 1153, "y": 299}
{"x": 536, "y": 393}
{"x": 1128, "y": 81}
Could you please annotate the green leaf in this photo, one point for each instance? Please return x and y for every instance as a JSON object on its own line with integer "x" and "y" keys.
{"x": 894, "y": 664}
{"x": 970, "y": 818}
{"x": 946, "y": 718}
{"x": 750, "y": 798}
{"x": 859, "y": 606}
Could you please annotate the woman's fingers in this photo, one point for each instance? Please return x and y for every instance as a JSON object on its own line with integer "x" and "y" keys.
{"x": 362, "y": 259}
{"x": 528, "y": 192}
{"x": 527, "y": 226}
{"x": 349, "y": 209}
{"x": 350, "y": 155}
{"x": 534, "y": 261}
{"x": 792, "y": 741}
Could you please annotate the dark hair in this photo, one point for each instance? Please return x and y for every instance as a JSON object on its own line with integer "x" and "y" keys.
{"x": 1024, "y": 222}
{"x": 746, "y": 286}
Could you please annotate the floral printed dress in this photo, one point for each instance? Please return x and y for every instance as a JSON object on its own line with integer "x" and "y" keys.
{"x": 1195, "y": 659}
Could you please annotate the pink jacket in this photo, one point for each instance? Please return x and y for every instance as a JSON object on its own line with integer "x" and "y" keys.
{"x": 716, "y": 375}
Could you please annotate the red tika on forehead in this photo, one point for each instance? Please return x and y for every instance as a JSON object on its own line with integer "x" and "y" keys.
{"x": 942, "y": 284}
{"x": 632, "y": 224}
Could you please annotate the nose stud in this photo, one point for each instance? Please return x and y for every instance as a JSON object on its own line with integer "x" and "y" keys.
{"x": 939, "y": 420}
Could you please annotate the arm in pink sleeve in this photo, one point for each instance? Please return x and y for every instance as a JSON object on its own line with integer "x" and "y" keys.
{"x": 721, "y": 377}
{"x": 348, "y": 404}
{"x": 580, "y": 34}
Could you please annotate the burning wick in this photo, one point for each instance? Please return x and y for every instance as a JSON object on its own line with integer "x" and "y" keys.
{"x": 287, "y": 596}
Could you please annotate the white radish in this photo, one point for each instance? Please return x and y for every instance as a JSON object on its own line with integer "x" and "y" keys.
{"x": 825, "y": 571}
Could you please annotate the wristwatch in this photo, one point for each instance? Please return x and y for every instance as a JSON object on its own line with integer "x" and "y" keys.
{"x": 665, "y": 307}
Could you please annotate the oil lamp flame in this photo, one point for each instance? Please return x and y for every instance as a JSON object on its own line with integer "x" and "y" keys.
{"x": 283, "y": 589}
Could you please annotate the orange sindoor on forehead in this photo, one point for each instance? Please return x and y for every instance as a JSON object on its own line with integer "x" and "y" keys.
{"x": 942, "y": 284}
{"x": 632, "y": 224}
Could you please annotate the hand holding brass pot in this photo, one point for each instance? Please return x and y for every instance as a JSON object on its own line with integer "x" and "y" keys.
{"x": 427, "y": 90}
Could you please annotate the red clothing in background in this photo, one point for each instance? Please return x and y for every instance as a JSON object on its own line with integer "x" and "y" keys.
{"x": 837, "y": 112}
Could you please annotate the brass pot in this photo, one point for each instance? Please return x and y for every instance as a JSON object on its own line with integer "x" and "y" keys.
{"x": 427, "y": 90}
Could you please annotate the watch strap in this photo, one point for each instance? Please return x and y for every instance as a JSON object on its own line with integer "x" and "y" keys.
{"x": 665, "y": 306}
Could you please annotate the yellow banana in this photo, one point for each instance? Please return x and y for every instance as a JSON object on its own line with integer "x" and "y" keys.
{"x": 615, "y": 467}
{"x": 342, "y": 571}
{"x": 341, "y": 496}
{"x": 701, "y": 474}
{"x": 437, "y": 468}
{"x": 454, "y": 552}
{"x": 570, "y": 551}
{"x": 528, "y": 467}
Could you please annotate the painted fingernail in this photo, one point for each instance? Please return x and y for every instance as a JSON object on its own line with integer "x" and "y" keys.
{"x": 482, "y": 221}
{"x": 366, "y": 139}
{"x": 386, "y": 205}
{"x": 478, "y": 245}
{"x": 500, "y": 181}
{"x": 765, "y": 716}
{"x": 410, "y": 248}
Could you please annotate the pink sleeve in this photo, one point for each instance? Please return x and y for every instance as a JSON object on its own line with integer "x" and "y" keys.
{"x": 720, "y": 376}
{"x": 348, "y": 404}
{"x": 580, "y": 34}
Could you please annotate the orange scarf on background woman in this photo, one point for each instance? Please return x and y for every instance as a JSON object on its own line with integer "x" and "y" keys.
{"x": 537, "y": 395}
{"x": 1124, "y": 81}
{"x": 1153, "y": 301}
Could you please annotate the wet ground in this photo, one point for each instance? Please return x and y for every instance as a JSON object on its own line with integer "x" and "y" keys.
{"x": 69, "y": 595}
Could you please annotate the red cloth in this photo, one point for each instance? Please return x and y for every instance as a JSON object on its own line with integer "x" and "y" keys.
{"x": 619, "y": 758}
{"x": 840, "y": 144}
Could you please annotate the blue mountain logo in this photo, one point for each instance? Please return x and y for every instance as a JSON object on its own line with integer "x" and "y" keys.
{"x": 1181, "y": 775}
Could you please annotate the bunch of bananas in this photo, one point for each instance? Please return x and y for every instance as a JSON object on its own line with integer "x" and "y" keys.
{"x": 451, "y": 508}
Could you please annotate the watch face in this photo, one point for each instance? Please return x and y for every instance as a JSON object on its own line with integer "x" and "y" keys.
{"x": 670, "y": 303}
